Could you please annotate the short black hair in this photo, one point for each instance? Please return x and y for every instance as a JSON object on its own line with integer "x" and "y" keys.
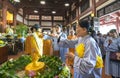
{"x": 59, "y": 25}
{"x": 112, "y": 31}
{"x": 84, "y": 24}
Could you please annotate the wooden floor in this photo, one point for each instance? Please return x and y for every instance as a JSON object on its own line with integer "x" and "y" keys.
{"x": 103, "y": 74}
{"x": 20, "y": 53}
{"x": 15, "y": 56}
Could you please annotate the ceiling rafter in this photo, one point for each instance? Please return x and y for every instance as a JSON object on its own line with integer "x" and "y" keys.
{"x": 51, "y": 5}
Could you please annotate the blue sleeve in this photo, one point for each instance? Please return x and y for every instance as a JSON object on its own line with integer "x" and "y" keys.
{"x": 118, "y": 41}
{"x": 68, "y": 43}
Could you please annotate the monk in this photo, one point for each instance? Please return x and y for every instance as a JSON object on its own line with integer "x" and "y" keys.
{"x": 71, "y": 36}
{"x": 34, "y": 45}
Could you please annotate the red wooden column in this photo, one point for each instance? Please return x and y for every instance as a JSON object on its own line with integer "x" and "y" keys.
{"x": 52, "y": 21}
{"x": 14, "y": 18}
{"x": 40, "y": 17}
{"x": 78, "y": 13}
{"x": 24, "y": 14}
{"x": 118, "y": 24}
{"x": 4, "y": 15}
{"x": 94, "y": 7}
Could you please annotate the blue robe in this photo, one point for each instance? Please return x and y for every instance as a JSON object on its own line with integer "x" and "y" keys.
{"x": 85, "y": 67}
{"x": 55, "y": 44}
{"x": 114, "y": 66}
{"x": 63, "y": 50}
{"x": 107, "y": 61}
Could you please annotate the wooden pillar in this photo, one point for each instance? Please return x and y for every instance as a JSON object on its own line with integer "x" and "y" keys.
{"x": 118, "y": 24}
{"x": 52, "y": 20}
{"x": 77, "y": 10}
{"x": 28, "y": 20}
{"x": 40, "y": 19}
{"x": 70, "y": 15}
{"x": 4, "y": 15}
{"x": 23, "y": 15}
{"x": 94, "y": 7}
{"x": 78, "y": 13}
{"x": 14, "y": 18}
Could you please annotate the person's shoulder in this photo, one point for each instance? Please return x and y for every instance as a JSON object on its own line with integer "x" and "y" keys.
{"x": 64, "y": 34}
{"x": 118, "y": 39}
{"x": 90, "y": 40}
{"x": 69, "y": 37}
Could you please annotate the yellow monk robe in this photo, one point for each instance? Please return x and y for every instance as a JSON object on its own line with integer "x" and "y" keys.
{"x": 70, "y": 61}
{"x": 47, "y": 47}
{"x": 36, "y": 49}
{"x": 28, "y": 44}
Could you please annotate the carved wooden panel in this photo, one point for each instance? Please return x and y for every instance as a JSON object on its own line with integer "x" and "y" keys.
{"x": 109, "y": 8}
{"x": 112, "y": 7}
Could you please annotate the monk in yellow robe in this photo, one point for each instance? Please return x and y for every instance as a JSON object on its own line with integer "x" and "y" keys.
{"x": 28, "y": 44}
{"x": 71, "y": 37}
{"x": 29, "y": 39}
{"x": 34, "y": 46}
{"x": 47, "y": 47}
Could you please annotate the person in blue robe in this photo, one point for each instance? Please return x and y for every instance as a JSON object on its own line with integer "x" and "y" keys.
{"x": 114, "y": 66}
{"x": 61, "y": 36}
{"x": 88, "y": 61}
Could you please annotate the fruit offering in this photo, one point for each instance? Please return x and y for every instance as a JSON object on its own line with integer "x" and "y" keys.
{"x": 2, "y": 43}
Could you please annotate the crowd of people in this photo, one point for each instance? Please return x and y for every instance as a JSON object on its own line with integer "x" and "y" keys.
{"x": 86, "y": 51}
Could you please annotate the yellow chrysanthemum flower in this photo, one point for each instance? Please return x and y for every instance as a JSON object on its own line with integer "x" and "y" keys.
{"x": 99, "y": 63}
{"x": 80, "y": 49}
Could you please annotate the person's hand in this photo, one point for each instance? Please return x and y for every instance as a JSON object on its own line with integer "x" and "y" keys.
{"x": 109, "y": 41}
{"x": 53, "y": 35}
{"x": 70, "y": 55}
{"x": 118, "y": 55}
{"x": 56, "y": 35}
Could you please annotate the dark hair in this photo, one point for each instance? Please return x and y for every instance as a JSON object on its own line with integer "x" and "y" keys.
{"x": 84, "y": 24}
{"x": 36, "y": 27}
{"x": 112, "y": 31}
{"x": 59, "y": 25}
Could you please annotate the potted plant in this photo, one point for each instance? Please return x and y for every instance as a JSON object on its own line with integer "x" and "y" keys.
{"x": 21, "y": 30}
